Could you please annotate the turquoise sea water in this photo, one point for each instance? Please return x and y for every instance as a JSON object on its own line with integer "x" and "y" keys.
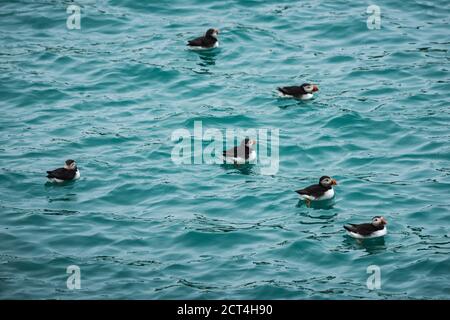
{"x": 111, "y": 94}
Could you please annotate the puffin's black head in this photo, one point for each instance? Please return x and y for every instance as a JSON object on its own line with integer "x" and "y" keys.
{"x": 248, "y": 142}
{"x": 327, "y": 181}
{"x": 212, "y": 33}
{"x": 70, "y": 164}
{"x": 310, "y": 88}
{"x": 378, "y": 221}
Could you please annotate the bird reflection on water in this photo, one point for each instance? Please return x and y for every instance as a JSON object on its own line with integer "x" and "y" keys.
{"x": 207, "y": 57}
{"x": 371, "y": 246}
{"x": 318, "y": 205}
{"x": 245, "y": 169}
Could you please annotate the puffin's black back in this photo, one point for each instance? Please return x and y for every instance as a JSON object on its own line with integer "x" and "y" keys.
{"x": 315, "y": 190}
{"x": 292, "y": 90}
{"x": 364, "y": 229}
{"x": 206, "y": 41}
{"x": 241, "y": 151}
{"x": 61, "y": 174}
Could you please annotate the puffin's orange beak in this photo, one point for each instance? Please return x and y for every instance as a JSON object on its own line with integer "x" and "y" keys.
{"x": 334, "y": 182}
{"x": 383, "y": 220}
{"x": 315, "y": 88}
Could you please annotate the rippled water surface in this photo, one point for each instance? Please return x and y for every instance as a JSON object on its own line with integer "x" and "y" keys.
{"x": 139, "y": 226}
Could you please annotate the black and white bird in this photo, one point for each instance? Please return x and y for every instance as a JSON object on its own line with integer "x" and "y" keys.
{"x": 208, "y": 41}
{"x": 377, "y": 228}
{"x": 242, "y": 153}
{"x": 67, "y": 173}
{"x": 303, "y": 92}
{"x": 318, "y": 192}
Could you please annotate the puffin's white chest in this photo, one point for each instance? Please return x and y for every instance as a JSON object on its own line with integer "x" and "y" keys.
{"x": 252, "y": 156}
{"x": 307, "y": 96}
{"x": 216, "y": 45}
{"x": 375, "y": 234}
{"x": 77, "y": 175}
{"x": 329, "y": 194}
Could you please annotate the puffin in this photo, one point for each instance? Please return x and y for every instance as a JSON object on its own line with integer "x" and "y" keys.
{"x": 317, "y": 192}
{"x": 67, "y": 173}
{"x": 303, "y": 92}
{"x": 208, "y": 41}
{"x": 377, "y": 228}
{"x": 241, "y": 154}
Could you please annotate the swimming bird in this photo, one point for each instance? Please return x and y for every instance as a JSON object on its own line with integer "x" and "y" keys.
{"x": 303, "y": 92}
{"x": 208, "y": 41}
{"x": 317, "y": 192}
{"x": 244, "y": 152}
{"x": 67, "y": 173}
{"x": 377, "y": 228}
